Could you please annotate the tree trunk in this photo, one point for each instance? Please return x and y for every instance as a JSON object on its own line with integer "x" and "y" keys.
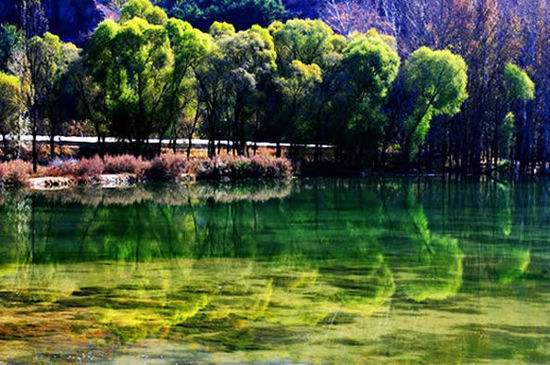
{"x": 546, "y": 132}
{"x": 6, "y": 144}
{"x": 190, "y": 145}
{"x": 317, "y": 153}
{"x": 211, "y": 148}
{"x": 52, "y": 146}
{"x": 100, "y": 147}
{"x": 34, "y": 152}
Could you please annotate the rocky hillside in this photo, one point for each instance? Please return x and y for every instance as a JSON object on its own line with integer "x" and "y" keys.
{"x": 75, "y": 20}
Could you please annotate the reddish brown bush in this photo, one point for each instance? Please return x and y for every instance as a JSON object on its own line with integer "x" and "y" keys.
{"x": 167, "y": 167}
{"x": 125, "y": 164}
{"x": 241, "y": 167}
{"x": 15, "y": 173}
{"x": 84, "y": 170}
{"x": 61, "y": 167}
{"x": 90, "y": 169}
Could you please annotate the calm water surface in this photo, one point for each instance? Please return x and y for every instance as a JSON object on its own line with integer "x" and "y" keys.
{"x": 315, "y": 271}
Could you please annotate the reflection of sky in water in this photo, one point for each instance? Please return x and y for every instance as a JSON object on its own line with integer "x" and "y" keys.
{"x": 322, "y": 270}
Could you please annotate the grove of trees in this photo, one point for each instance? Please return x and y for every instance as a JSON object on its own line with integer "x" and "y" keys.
{"x": 460, "y": 95}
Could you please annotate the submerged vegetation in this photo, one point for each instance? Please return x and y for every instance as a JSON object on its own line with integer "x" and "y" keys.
{"x": 316, "y": 270}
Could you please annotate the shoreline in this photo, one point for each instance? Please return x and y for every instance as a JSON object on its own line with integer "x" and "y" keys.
{"x": 127, "y": 170}
{"x": 129, "y": 181}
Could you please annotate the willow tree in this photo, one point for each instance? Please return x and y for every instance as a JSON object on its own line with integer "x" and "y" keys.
{"x": 180, "y": 104}
{"x": 305, "y": 40}
{"x": 435, "y": 82}
{"x": 133, "y": 61}
{"x": 10, "y": 105}
{"x": 211, "y": 87}
{"x": 371, "y": 65}
{"x": 297, "y": 90}
{"x": 145, "y": 65}
{"x": 143, "y": 9}
{"x": 11, "y": 40}
{"x": 247, "y": 57}
{"x": 40, "y": 65}
{"x": 313, "y": 44}
{"x": 519, "y": 89}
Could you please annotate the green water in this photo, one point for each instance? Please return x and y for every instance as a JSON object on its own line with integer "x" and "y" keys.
{"x": 314, "y": 271}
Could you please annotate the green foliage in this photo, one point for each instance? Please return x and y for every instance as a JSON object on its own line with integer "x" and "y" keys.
{"x": 219, "y": 29}
{"x": 371, "y": 66}
{"x": 11, "y": 40}
{"x": 519, "y": 85}
{"x": 133, "y": 62}
{"x": 240, "y": 64}
{"x": 250, "y": 53}
{"x": 179, "y": 99}
{"x": 436, "y": 81}
{"x": 300, "y": 86}
{"x": 309, "y": 41}
{"x": 241, "y": 13}
{"x": 303, "y": 76}
{"x": 143, "y": 9}
{"x": 148, "y": 75}
{"x": 147, "y": 71}
{"x": 10, "y": 102}
{"x": 297, "y": 89}
{"x": 371, "y": 63}
{"x": 47, "y": 59}
{"x": 41, "y": 67}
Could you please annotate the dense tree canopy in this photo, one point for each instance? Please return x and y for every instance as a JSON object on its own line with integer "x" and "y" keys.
{"x": 371, "y": 66}
{"x": 41, "y": 64}
{"x": 454, "y": 95}
{"x": 241, "y": 13}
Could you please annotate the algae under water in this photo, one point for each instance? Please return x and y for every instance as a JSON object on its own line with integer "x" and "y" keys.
{"x": 321, "y": 270}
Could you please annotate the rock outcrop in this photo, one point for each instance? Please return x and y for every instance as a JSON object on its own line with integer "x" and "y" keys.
{"x": 72, "y": 20}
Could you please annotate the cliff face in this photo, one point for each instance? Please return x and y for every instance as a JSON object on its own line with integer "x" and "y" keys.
{"x": 72, "y": 20}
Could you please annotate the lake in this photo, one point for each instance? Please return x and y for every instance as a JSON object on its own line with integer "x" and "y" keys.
{"x": 312, "y": 271}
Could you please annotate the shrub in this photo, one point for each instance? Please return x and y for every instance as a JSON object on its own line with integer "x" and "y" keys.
{"x": 84, "y": 170}
{"x": 241, "y": 167}
{"x": 166, "y": 168}
{"x": 269, "y": 168}
{"x": 15, "y": 173}
{"x": 215, "y": 168}
{"x": 169, "y": 167}
{"x": 61, "y": 167}
{"x": 90, "y": 168}
{"x": 125, "y": 164}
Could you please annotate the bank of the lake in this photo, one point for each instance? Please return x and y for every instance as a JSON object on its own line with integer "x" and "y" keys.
{"x": 126, "y": 170}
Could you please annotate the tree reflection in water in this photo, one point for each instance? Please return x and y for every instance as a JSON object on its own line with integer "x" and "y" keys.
{"x": 256, "y": 269}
